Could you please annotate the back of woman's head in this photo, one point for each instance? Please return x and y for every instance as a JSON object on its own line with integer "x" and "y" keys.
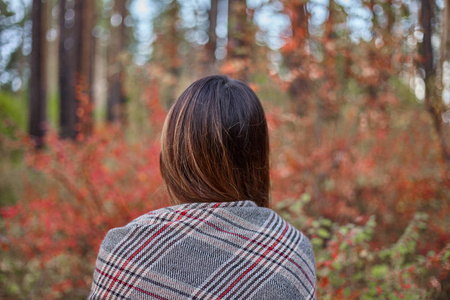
{"x": 215, "y": 144}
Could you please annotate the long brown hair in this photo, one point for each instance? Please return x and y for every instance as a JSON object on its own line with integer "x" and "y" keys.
{"x": 215, "y": 144}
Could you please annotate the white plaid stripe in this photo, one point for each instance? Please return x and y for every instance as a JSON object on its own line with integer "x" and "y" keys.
{"x": 162, "y": 243}
{"x": 242, "y": 259}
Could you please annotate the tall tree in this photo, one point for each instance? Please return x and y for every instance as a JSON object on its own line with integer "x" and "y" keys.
{"x": 444, "y": 60}
{"x": 296, "y": 56}
{"x": 85, "y": 90}
{"x": 76, "y": 55}
{"x": 326, "y": 103}
{"x": 68, "y": 60}
{"x": 212, "y": 36}
{"x": 444, "y": 53}
{"x": 241, "y": 34}
{"x": 167, "y": 57}
{"x": 38, "y": 91}
{"x": 433, "y": 103}
{"x": 116, "y": 96}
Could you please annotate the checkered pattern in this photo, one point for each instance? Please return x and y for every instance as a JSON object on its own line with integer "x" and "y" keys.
{"x": 226, "y": 250}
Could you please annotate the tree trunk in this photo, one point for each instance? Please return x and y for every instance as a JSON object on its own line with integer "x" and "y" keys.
{"x": 68, "y": 60}
{"x": 296, "y": 56}
{"x": 166, "y": 54}
{"x": 433, "y": 103}
{"x": 445, "y": 59}
{"x": 444, "y": 53}
{"x": 239, "y": 46}
{"x": 86, "y": 69}
{"x": 38, "y": 89}
{"x": 208, "y": 56}
{"x": 444, "y": 49}
{"x": 212, "y": 42}
{"x": 116, "y": 97}
{"x": 76, "y": 54}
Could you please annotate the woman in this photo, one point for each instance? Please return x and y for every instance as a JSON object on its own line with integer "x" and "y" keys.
{"x": 220, "y": 241}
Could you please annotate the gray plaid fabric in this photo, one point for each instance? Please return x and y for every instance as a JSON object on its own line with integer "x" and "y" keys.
{"x": 226, "y": 250}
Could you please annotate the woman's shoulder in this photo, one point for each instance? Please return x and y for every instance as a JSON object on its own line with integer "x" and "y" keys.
{"x": 231, "y": 249}
{"x": 225, "y": 219}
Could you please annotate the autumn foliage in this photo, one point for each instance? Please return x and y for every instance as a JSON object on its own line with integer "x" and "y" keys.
{"x": 73, "y": 193}
{"x": 373, "y": 201}
{"x": 356, "y": 161}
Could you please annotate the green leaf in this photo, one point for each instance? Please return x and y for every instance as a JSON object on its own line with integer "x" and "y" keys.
{"x": 305, "y": 197}
{"x": 323, "y": 233}
{"x": 297, "y": 207}
{"x": 327, "y": 222}
{"x": 446, "y": 256}
{"x": 343, "y": 246}
{"x": 317, "y": 242}
{"x": 380, "y": 271}
{"x": 343, "y": 230}
{"x": 402, "y": 249}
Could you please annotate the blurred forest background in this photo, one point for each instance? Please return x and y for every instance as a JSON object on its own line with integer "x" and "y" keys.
{"x": 357, "y": 95}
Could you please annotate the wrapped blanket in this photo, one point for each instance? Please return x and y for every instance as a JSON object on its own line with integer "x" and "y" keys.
{"x": 225, "y": 250}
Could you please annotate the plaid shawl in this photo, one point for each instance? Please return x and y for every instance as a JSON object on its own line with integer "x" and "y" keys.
{"x": 225, "y": 250}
